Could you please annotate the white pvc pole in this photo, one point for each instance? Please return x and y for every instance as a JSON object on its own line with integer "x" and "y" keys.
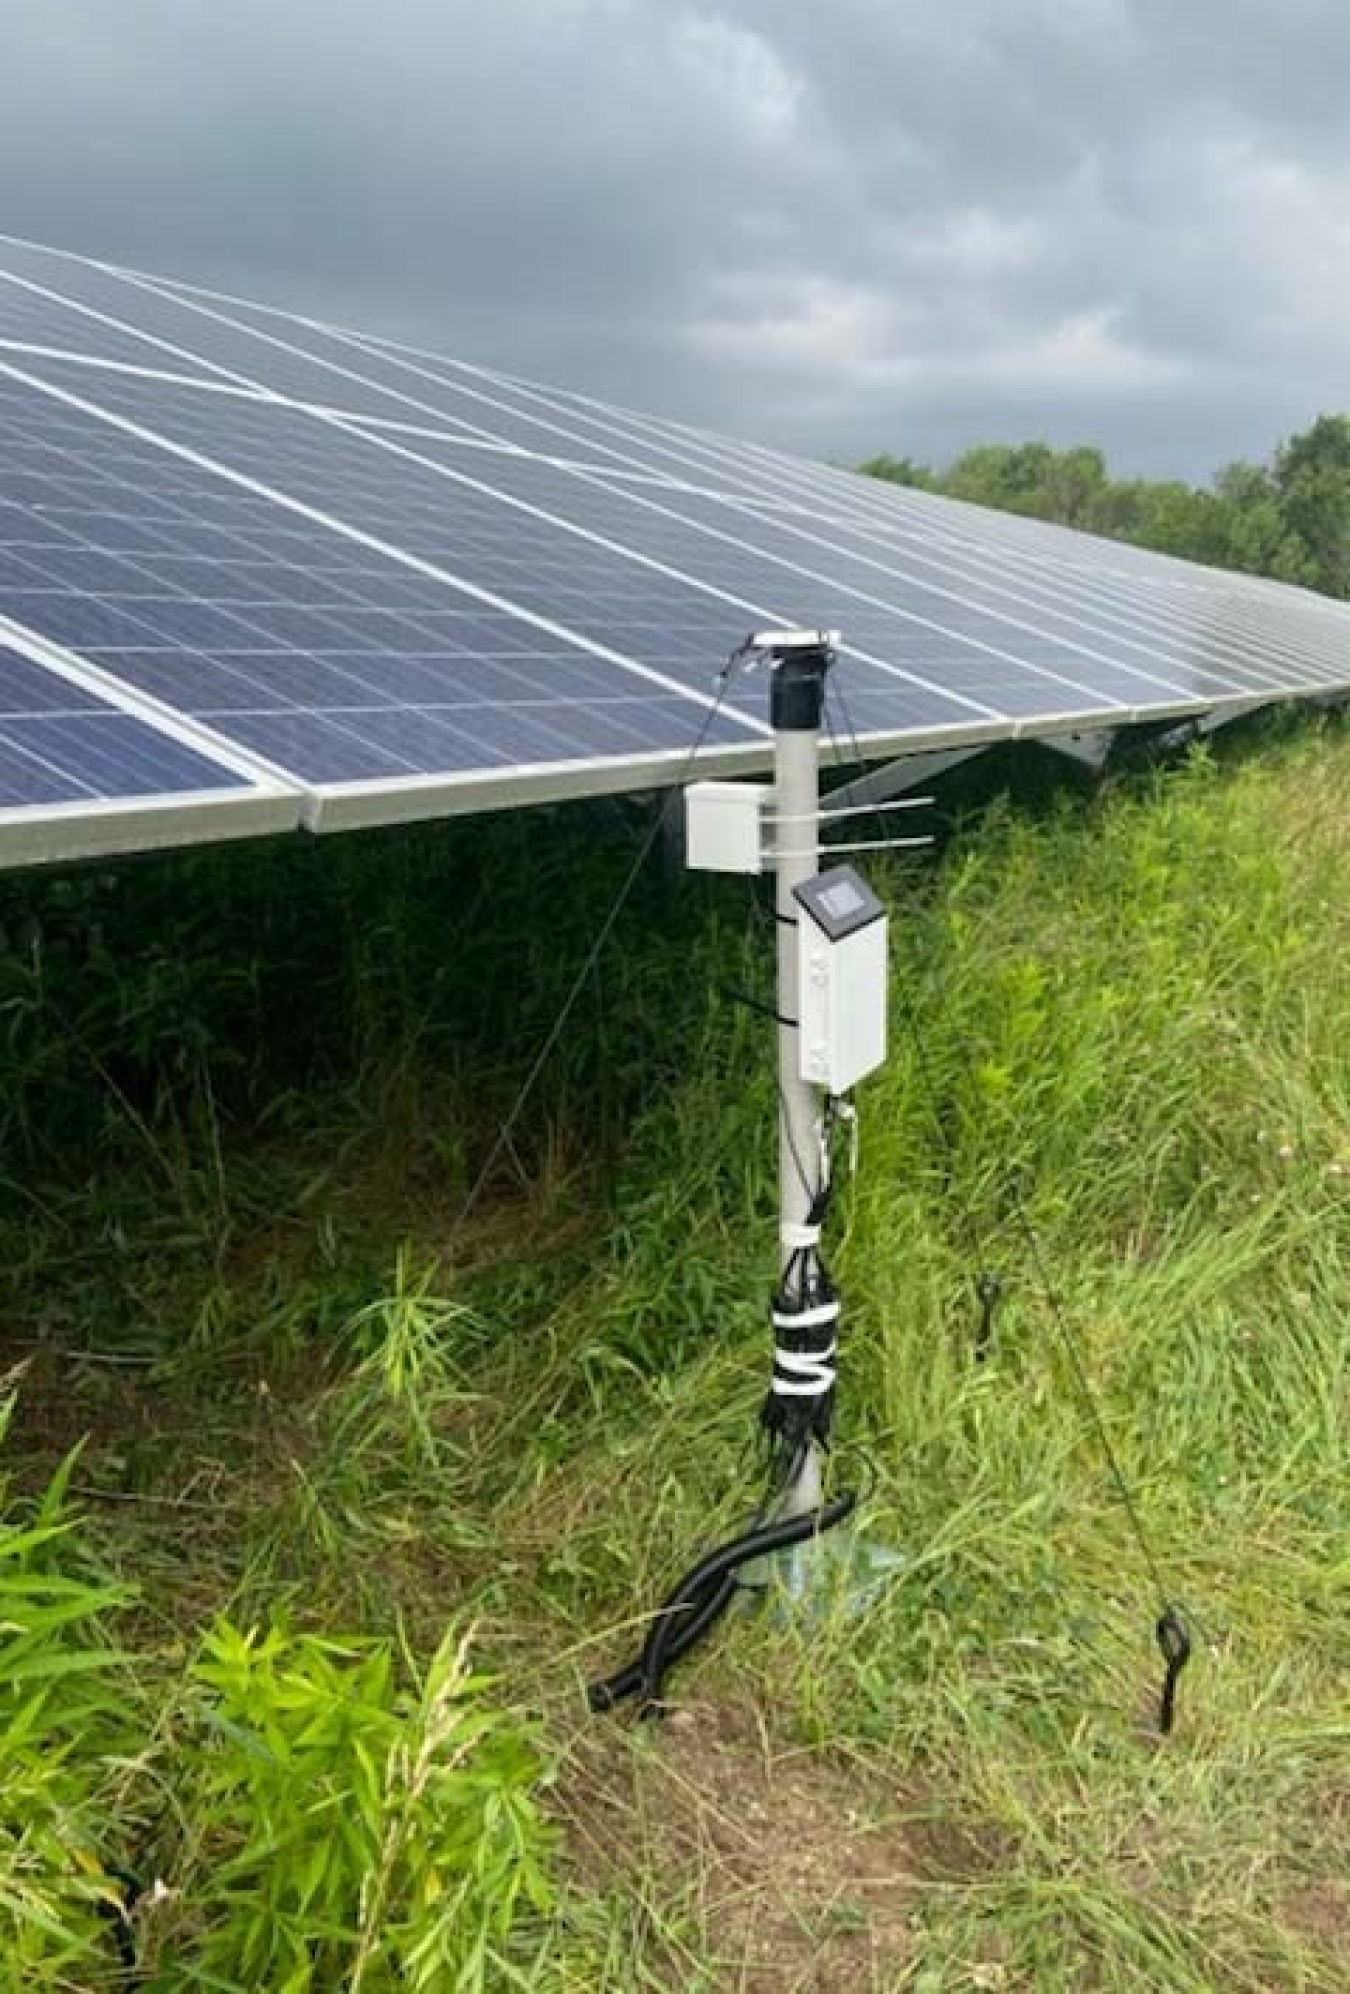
{"x": 797, "y": 805}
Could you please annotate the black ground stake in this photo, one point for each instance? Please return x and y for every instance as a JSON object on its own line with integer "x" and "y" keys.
{"x": 1175, "y": 1642}
{"x": 988, "y": 1291}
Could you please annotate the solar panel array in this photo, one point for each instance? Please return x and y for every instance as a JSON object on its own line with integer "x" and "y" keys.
{"x": 281, "y": 572}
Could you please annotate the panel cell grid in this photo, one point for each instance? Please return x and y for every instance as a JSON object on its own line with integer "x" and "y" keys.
{"x": 61, "y": 744}
{"x": 680, "y": 623}
{"x": 236, "y": 612}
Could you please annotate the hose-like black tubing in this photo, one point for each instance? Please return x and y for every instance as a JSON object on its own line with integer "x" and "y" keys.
{"x": 700, "y": 1599}
{"x": 711, "y": 1572}
{"x": 687, "y": 1622}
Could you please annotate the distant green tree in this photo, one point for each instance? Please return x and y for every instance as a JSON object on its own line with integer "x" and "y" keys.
{"x": 1312, "y": 479}
{"x": 1118, "y": 509}
{"x": 1063, "y": 485}
{"x": 1074, "y": 481}
{"x": 1011, "y": 476}
{"x": 1176, "y": 518}
{"x": 1290, "y": 520}
{"x": 1257, "y": 535}
{"x": 898, "y": 471}
{"x": 1244, "y": 485}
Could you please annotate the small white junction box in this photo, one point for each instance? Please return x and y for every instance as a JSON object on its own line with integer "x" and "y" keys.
{"x": 841, "y": 979}
{"x": 724, "y": 825}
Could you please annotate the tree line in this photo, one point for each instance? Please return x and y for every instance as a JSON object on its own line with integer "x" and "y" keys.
{"x": 1289, "y": 518}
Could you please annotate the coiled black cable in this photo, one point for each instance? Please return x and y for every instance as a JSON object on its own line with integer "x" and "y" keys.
{"x": 686, "y": 1624}
{"x": 700, "y": 1599}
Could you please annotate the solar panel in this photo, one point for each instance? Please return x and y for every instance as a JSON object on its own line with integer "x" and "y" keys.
{"x": 79, "y": 775}
{"x": 328, "y": 649}
{"x": 403, "y": 584}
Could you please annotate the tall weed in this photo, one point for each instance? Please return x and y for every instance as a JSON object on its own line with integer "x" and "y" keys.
{"x": 63, "y": 1718}
{"x": 354, "y": 1821}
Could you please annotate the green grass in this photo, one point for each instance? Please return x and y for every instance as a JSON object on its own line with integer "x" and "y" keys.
{"x": 242, "y": 1096}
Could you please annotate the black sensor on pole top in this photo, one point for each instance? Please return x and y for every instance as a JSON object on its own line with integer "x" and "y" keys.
{"x": 801, "y": 658}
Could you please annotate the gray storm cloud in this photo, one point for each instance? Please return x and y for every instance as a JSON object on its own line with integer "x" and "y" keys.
{"x": 874, "y": 224}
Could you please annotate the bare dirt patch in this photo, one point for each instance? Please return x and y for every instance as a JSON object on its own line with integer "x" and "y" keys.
{"x": 1319, "y": 1911}
{"x": 796, "y": 1867}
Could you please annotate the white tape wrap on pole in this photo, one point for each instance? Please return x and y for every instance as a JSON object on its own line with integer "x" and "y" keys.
{"x": 793, "y": 1237}
{"x": 804, "y": 1374}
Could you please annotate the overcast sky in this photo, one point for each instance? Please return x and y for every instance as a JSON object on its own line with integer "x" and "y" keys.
{"x": 837, "y": 225}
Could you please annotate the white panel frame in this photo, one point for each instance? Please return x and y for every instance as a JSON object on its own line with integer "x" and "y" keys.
{"x": 44, "y": 834}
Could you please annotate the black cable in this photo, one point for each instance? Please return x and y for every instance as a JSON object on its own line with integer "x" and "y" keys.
{"x": 604, "y": 1695}
{"x": 988, "y": 1292}
{"x": 1174, "y": 1641}
{"x": 701, "y": 1597}
{"x": 118, "y": 1913}
{"x": 708, "y": 1576}
{"x": 686, "y": 1628}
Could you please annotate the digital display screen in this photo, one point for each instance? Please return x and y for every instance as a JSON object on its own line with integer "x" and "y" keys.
{"x": 842, "y": 900}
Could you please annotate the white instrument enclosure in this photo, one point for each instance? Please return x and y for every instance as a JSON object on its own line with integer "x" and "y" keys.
{"x": 724, "y": 825}
{"x": 842, "y": 979}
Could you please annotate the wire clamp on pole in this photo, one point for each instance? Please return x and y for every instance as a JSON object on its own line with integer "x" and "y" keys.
{"x": 804, "y": 1313}
{"x": 842, "y": 1110}
{"x": 804, "y": 1371}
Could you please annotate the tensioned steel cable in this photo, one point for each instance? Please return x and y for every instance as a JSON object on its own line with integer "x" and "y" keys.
{"x": 1171, "y": 1630}
{"x": 593, "y": 954}
{"x": 966, "y": 1221}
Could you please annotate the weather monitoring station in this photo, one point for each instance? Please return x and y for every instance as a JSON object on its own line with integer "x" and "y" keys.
{"x": 258, "y": 574}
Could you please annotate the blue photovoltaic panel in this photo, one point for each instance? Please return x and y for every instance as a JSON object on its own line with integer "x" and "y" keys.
{"x": 29, "y": 318}
{"x": 176, "y": 336}
{"x": 385, "y": 571}
{"x": 1039, "y": 558}
{"x": 962, "y": 648}
{"x": 1169, "y": 607}
{"x": 608, "y": 595}
{"x": 316, "y": 650}
{"x": 958, "y": 641}
{"x": 419, "y": 389}
{"x": 393, "y": 388}
{"x": 1244, "y": 633}
{"x": 1041, "y": 561}
{"x": 59, "y": 743}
